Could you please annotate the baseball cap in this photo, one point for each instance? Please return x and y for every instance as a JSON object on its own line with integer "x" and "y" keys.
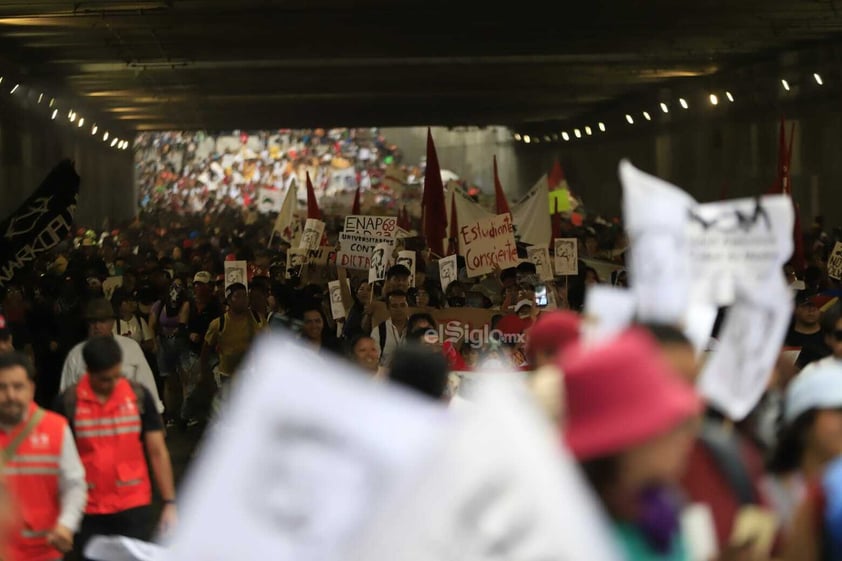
{"x": 203, "y": 277}
{"x": 523, "y": 303}
{"x": 818, "y": 386}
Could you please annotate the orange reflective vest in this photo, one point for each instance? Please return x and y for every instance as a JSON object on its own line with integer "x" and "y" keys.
{"x": 108, "y": 437}
{"x": 32, "y": 476}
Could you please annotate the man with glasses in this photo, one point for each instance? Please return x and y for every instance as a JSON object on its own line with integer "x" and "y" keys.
{"x": 99, "y": 314}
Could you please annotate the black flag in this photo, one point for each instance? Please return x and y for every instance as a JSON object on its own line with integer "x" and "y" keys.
{"x": 40, "y": 223}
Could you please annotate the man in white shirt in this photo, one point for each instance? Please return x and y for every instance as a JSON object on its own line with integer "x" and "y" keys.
{"x": 391, "y": 333}
{"x": 100, "y": 317}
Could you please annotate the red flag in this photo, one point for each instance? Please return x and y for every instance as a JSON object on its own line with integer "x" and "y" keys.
{"x": 783, "y": 184}
{"x": 453, "y": 244}
{"x": 499, "y": 195}
{"x": 312, "y": 204}
{"x": 554, "y": 180}
{"x": 435, "y": 217}
{"x": 355, "y": 208}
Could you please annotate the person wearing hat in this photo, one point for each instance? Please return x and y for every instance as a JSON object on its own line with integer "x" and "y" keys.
{"x": 806, "y": 332}
{"x": 630, "y": 423}
{"x": 810, "y": 436}
{"x": 100, "y": 317}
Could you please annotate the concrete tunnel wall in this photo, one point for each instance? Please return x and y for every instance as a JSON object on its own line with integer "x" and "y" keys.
{"x": 31, "y": 145}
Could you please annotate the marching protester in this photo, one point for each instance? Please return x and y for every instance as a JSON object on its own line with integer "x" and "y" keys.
{"x": 116, "y": 427}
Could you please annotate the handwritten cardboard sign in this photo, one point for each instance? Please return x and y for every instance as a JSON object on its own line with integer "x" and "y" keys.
{"x": 566, "y": 258}
{"x": 539, "y": 255}
{"x": 488, "y": 243}
{"x": 834, "y": 262}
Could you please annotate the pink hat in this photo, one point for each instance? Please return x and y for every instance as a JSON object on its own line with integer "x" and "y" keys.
{"x": 553, "y": 331}
{"x": 620, "y": 395}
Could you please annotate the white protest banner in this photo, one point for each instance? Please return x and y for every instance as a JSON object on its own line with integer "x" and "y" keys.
{"x": 269, "y": 200}
{"x": 736, "y": 374}
{"x": 467, "y": 209}
{"x": 337, "y": 308}
{"x": 371, "y": 226}
{"x": 566, "y": 258}
{"x": 311, "y": 237}
{"x": 308, "y": 481}
{"x": 288, "y": 225}
{"x": 110, "y": 284}
{"x": 296, "y": 259}
{"x": 539, "y": 255}
{"x": 500, "y": 488}
{"x": 236, "y": 272}
{"x": 380, "y": 258}
{"x": 488, "y": 243}
{"x": 655, "y": 214}
{"x": 447, "y": 271}
{"x": 355, "y": 250}
{"x": 532, "y": 214}
{"x": 407, "y": 259}
{"x": 319, "y": 256}
{"x": 608, "y": 311}
{"x": 834, "y": 262}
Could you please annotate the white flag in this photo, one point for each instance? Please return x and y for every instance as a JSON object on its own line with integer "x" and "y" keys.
{"x": 531, "y": 215}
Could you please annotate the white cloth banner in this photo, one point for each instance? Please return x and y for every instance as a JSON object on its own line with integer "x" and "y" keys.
{"x": 467, "y": 210}
{"x": 531, "y": 215}
{"x": 288, "y": 224}
{"x": 735, "y": 376}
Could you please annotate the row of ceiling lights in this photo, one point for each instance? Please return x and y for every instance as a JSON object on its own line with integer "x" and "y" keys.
{"x": 713, "y": 99}
{"x": 75, "y": 118}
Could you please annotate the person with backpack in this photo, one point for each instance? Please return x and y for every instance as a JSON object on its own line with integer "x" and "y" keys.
{"x": 390, "y": 333}
{"x": 231, "y": 335}
{"x": 116, "y": 426}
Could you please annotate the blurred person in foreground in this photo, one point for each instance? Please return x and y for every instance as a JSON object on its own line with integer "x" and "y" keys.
{"x": 422, "y": 369}
{"x": 365, "y": 354}
{"x": 553, "y": 333}
{"x": 41, "y": 468}
{"x": 630, "y": 423}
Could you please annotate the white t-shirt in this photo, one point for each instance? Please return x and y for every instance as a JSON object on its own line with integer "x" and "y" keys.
{"x": 133, "y": 329}
{"x": 394, "y": 337}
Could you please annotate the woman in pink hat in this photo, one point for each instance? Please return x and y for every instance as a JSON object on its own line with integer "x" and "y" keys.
{"x": 630, "y": 422}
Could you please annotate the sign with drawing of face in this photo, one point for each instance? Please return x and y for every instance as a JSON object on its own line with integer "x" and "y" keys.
{"x": 407, "y": 259}
{"x": 311, "y": 238}
{"x": 236, "y": 272}
{"x": 337, "y": 308}
{"x": 296, "y": 259}
{"x": 540, "y": 257}
{"x": 447, "y": 271}
{"x": 379, "y": 262}
{"x": 566, "y": 256}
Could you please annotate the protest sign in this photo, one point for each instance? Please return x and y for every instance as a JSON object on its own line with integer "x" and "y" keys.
{"x": 559, "y": 201}
{"x": 236, "y": 272}
{"x": 311, "y": 237}
{"x": 355, "y": 250}
{"x": 40, "y": 223}
{"x": 447, "y": 271}
{"x": 308, "y": 481}
{"x": 337, "y": 308}
{"x": 834, "y": 262}
{"x": 296, "y": 259}
{"x": 288, "y": 224}
{"x": 500, "y": 488}
{"x": 371, "y": 226}
{"x": 407, "y": 259}
{"x": 531, "y": 214}
{"x": 736, "y": 374}
{"x": 269, "y": 200}
{"x": 539, "y": 255}
{"x": 608, "y": 311}
{"x": 566, "y": 258}
{"x": 110, "y": 284}
{"x": 488, "y": 243}
{"x": 380, "y": 258}
{"x": 321, "y": 256}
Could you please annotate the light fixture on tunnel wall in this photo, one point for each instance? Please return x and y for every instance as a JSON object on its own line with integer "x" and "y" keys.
{"x": 714, "y": 100}
{"x": 602, "y": 126}
{"x": 785, "y": 84}
{"x": 555, "y": 137}
{"x": 818, "y": 78}
{"x": 105, "y": 136}
{"x": 647, "y": 116}
{"x": 55, "y": 113}
{"x": 547, "y": 138}
{"x": 114, "y": 141}
{"x": 577, "y": 133}
{"x": 588, "y": 130}
{"x": 14, "y": 89}
{"x": 518, "y": 137}
{"x": 729, "y": 96}
{"x": 527, "y": 139}
{"x": 683, "y": 103}
{"x": 664, "y": 107}
{"x": 565, "y": 136}
{"x": 81, "y": 122}
{"x": 52, "y": 101}
{"x": 40, "y": 97}
{"x": 71, "y": 116}
{"x": 629, "y": 119}
{"x": 94, "y": 129}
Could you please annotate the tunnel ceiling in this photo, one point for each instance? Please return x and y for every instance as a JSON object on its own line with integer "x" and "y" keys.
{"x": 189, "y": 64}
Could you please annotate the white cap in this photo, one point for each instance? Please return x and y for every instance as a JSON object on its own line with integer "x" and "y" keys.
{"x": 819, "y": 386}
{"x": 523, "y": 303}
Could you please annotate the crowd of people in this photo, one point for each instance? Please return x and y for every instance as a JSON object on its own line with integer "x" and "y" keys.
{"x": 114, "y": 339}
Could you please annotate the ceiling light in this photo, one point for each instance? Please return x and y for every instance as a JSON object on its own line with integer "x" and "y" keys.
{"x": 629, "y": 119}
{"x": 647, "y": 116}
{"x": 602, "y": 126}
{"x": 15, "y": 88}
{"x": 55, "y": 112}
{"x": 818, "y": 78}
{"x": 565, "y": 136}
{"x": 577, "y": 133}
{"x": 555, "y": 137}
{"x": 729, "y": 96}
{"x": 537, "y": 140}
{"x": 81, "y": 122}
{"x": 547, "y": 138}
{"x": 527, "y": 139}
{"x": 664, "y": 107}
{"x": 94, "y": 129}
{"x": 105, "y": 136}
{"x": 518, "y": 137}
{"x": 40, "y": 97}
{"x": 72, "y": 116}
{"x": 683, "y": 102}
{"x": 1, "y": 79}
{"x": 52, "y": 101}
{"x": 588, "y": 131}
{"x": 713, "y": 99}
{"x": 785, "y": 84}
{"x": 114, "y": 141}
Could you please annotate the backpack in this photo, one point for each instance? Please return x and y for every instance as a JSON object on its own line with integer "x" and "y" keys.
{"x": 69, "y": 400}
